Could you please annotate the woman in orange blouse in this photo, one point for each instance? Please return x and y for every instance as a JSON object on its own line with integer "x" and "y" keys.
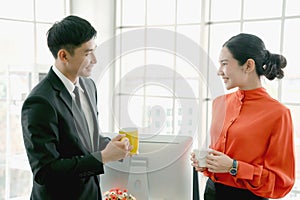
{"x": 252, "y": 154}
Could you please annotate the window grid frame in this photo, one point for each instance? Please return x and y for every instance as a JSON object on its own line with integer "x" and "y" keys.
{"x": 12, "y": 161}
{"x": 205, "y": 39}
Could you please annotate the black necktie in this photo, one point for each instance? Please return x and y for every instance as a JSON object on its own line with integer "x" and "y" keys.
{"x": 80, "y": 121}
{"x": 77, "y": 97}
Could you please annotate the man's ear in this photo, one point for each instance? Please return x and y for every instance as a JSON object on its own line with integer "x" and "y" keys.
{"x": 62, "y": 55}
{"x": 250, "y": 65}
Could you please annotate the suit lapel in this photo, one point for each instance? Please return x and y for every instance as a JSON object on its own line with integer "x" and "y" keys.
{"x": 66, "y": 99}
{"x": 61, "y": 89}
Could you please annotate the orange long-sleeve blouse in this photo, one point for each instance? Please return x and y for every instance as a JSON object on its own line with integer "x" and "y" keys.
{"x": 257, "y": 131}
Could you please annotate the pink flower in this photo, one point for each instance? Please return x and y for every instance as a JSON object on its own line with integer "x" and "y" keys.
{"x": 118, "y": 194}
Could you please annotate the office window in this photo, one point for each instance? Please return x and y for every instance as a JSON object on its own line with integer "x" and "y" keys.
{"x": 292, "y": 8}
{"x": 25, "y": 57}
{"x": 158, "y": 75}
{"x": 22, "y": 45}
{"x": 17, "y": 9}
{"x": 260, "y": 9}
{"x": 208, "y": 23}
{"x": 188, "y": 11}
{"x": 219, "y": 8}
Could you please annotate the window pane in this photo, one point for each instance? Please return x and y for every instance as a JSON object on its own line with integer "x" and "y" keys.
{"x": 18, "y": 172}
{"x": 295, "y": 111}
{"x": 131, "y": 55}
{"x": 186, "y": 120}
{"x": 192, "y": 89}
{"x": 291, "y": 90}
{"x": 219, "y": 34}
{"x": 262, "y": 9}
{"x": 158, "y": 115}
{"x": 268, "y": 31}
{"x": 18, "y": 47}
{"x": 188, "y": 11}
{"x": 271, "y": 86}
{"x": 49, "y": 11}
{"x": 105, "y": 103}
{"x": 3, "y": 127}
{"x": 131, "y": 70}
{"x": 16, "y": 9}
{"x": 133, "y": 12}
{"x": 119, "y": 16}
{"x": 291, "y": 48}
{"x": 160, "y": 12}
{"x": 160, "y": 57}
{"x": 161, "y": 90}
{"x": 192, "y": 32}
{"x": 135, "y": 110}
{"x": 18, "y": 179}
{"x": 190, "y": 82}
{"x": 44, "y": 56}
{"x": 2, "y": 178}
{"x": 129, "y": 111}
{"x": 19, "y": 86}
{"x": 222, "y": 10}
{"x": 292, "y": 7}
{"x": 160, "y": 72}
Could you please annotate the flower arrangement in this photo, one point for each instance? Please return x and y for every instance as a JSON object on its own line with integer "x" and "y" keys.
{"x": 118, "y": 194}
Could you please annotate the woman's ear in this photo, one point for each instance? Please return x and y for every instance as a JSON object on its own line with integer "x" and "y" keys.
{"x": 250, "y": 65}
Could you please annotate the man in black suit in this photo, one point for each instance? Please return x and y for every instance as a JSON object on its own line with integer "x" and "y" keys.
{"x": 65, "y": 150}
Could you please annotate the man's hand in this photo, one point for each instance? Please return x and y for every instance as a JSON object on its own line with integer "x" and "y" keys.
{"x": 116, "y": 149}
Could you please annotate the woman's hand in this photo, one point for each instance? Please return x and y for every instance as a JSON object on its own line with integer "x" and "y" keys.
{"x": 195, "y": 163}
{"x": 218, "y": 162}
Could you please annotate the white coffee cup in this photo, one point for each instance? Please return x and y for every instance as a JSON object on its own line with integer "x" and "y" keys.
{"x": 200, "y": 155}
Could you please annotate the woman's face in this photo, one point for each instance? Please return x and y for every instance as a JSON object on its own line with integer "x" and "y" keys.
{"x": 230, "y": 71}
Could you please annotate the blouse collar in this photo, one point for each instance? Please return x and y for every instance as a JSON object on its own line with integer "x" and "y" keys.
{"x": 257, "y": 93}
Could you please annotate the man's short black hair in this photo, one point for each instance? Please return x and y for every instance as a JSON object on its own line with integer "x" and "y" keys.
{"x": 70, "y": 33}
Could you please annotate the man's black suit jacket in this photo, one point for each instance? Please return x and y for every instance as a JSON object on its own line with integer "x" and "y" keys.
{"x": 62, "y": 166}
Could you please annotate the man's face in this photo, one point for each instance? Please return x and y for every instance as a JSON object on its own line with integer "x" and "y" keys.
{"x": 83, "y": 59}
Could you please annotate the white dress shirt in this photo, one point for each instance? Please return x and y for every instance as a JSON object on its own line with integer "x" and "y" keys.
{"x": 84, "y": 102}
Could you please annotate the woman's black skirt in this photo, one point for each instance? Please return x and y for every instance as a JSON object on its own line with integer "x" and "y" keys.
{"x": 217, "y": 191}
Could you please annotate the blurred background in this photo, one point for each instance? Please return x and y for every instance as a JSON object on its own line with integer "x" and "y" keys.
{"x": 25, "y": 59}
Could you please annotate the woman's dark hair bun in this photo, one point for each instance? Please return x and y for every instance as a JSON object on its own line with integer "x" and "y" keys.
{"x": 273, "y": 65}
